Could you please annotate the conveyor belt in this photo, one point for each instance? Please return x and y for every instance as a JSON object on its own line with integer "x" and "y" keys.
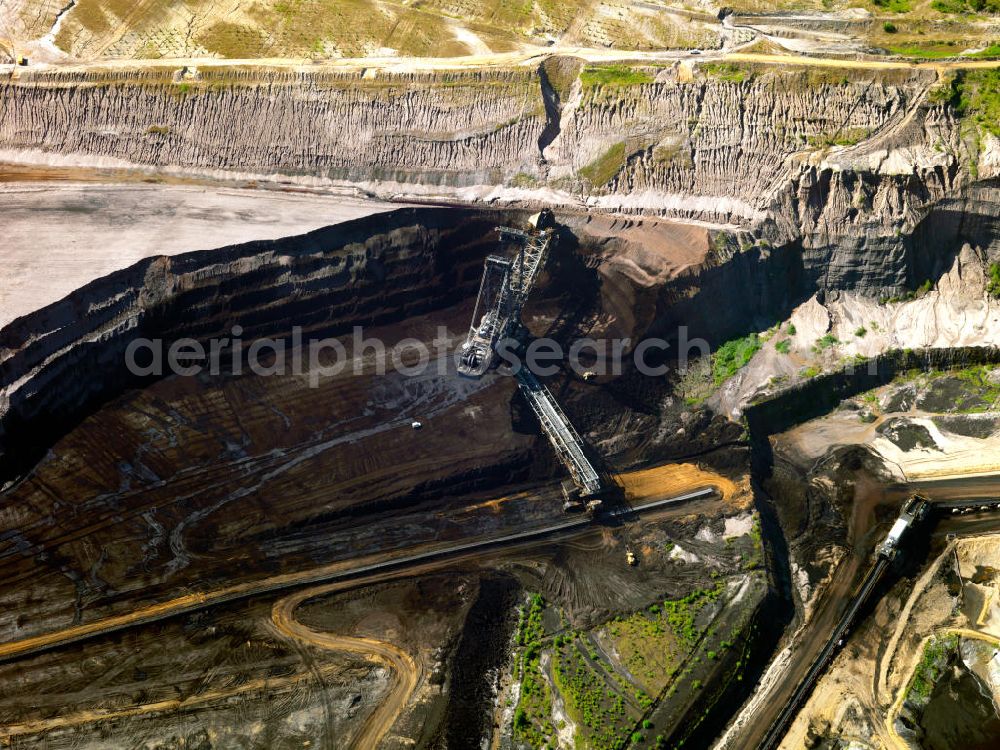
{"x": 565, "y": 440}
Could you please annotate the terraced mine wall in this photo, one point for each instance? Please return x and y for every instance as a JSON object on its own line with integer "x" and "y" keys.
{"x": 728, "y": 145}
{"x": 57, "y": 363}
{"x": 412, "y": 260}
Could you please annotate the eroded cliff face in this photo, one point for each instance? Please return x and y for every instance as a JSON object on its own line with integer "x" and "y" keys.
{"x": 841, "y": 165}
{"x": 743, "y": 146}
{"x": 455, "y": 129}
{"x": 717, "y": 143}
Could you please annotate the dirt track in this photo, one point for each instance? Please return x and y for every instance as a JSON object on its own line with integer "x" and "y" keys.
{"x": 352, "y": 571}
{"x": 648, "y": 487}
{"x": 514, "y": 59}
{"x": 272, "y": 684}
{"x": 405, "y": 670}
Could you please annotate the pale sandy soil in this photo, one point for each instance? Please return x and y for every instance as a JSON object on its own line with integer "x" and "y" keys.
{"x": 952, "y": 455}
{"x": 57, "y": 238}
{"x": 857, "y": 699}
{"x": 915, "y": 444}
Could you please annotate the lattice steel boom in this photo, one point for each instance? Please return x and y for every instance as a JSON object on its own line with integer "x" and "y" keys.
{"x": 503, "y": 292}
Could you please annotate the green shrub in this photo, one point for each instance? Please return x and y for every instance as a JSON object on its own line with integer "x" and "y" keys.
{"x": 894, "y": 6}
{"x": 825, "y": 342}
{"x": 732, "y": 356}
{"x": 861, "y": 332}
{"x": 993, "y": 285}
{"x": 889, "y": 27}
{"x": 784, "y": 346}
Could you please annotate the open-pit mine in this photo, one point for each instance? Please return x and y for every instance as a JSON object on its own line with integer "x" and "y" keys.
{"x": 499, "y": 376}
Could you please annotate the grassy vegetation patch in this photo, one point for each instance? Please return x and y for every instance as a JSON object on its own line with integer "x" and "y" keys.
{"x": 824, "y": 77}
{"x": 597, "y": 706}
{"x": 937, "y": 654}
{"x": 673, "y": 153}
{"x": 533, "y": 715}
{"x": 965, "y": 7}
{"x": 978, "y": 94}
{"x": 681, "y": 613}
{"x": 844, "y": 137}
{"x": 91, "y": 16}
{"x": 924, "y": 288}
{"x": 562, "y": 73}
{"x": 728, "y": 72}
{"x": 648, "y": 647}
{"x": 607, "y": 682}
{"x": 600, "y": 171}
{"x": 927, "y": 51}
{"x": 614, "y": 76}
{"x": 989, "y": 52}
{"x": 233, "y": 40}
{"x": 732, "y": 356}
{"x": 784, "y": 346}
{"x": 984, "y": 392}
{"x": 523, "y": 180}
{"x": 894, "y": 6}
{"x": 757, "y": 540}
{"x": 993, "y": 285}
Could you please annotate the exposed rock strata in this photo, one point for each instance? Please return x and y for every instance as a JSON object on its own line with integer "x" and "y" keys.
{"x": 746, "y": 149}
{"x": 730, "y": 151}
